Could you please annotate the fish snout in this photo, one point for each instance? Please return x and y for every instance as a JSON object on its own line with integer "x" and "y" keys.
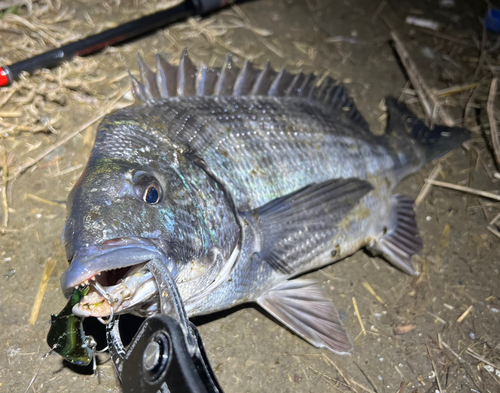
{"x": 109, "y": 262}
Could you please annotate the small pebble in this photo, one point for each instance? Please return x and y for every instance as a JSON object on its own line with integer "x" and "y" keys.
{"x": 428, "y": 53}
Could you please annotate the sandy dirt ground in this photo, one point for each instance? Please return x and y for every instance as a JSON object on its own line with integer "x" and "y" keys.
{"x": 436, "y": 332}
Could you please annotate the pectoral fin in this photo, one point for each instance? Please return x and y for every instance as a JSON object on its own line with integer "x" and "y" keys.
{"x": 401, "y": 240}
{"x": 295, "y": 227}
{"x": 302, "y": 307}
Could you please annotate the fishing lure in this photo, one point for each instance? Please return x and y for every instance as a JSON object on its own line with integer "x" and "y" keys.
{"x": 66, "y": 335}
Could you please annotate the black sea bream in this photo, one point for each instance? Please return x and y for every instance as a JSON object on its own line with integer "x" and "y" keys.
{"x": 241, "y": 180}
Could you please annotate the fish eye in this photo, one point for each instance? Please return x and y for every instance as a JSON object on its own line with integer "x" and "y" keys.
{"x": 147, "y": 188}
{"x": 151, "y": 195}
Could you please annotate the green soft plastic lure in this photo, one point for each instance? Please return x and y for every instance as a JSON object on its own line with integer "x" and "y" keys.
{"x": 66, "y": 336}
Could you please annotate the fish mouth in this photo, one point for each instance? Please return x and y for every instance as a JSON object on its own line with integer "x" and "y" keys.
{"x": 119, "y": 281}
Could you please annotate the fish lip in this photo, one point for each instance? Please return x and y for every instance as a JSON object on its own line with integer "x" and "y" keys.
{"x": 110, "y": 255}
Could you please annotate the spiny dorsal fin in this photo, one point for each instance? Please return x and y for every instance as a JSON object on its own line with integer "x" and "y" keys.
{"x": 149, "y": 79}
{"x": 138, "y": 89}
{"x": 245, "y": 80}
{"x": 166, "y": 77}
{"x": 188, "y": 80}
{"x": 263, "y": 81}
{"x": 227, "y": 77}
{"x": 293, "y": 89}
{"x": 205, "y": 81}
{"x": 186, "y": 76}
{"x": 280, "y": 83}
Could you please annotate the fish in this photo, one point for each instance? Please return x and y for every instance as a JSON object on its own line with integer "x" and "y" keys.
{"x": 241, "y": 180}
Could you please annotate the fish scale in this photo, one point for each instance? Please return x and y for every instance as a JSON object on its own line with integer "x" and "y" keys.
{"x": 241, "y": 180}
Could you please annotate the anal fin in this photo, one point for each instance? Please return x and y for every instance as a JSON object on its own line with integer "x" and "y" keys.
{"x": 302, "y": 307}
{"x": 401, "y": 239}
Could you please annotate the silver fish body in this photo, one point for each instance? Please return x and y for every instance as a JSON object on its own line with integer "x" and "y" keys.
{"x": 242, "y": 181}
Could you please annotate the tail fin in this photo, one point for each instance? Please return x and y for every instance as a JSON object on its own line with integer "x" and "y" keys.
{"x": 435, "y": 143}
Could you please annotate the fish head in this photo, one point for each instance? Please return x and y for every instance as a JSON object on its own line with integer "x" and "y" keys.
{"x": 115, "y": 206}
{"x": 132, "y": 205}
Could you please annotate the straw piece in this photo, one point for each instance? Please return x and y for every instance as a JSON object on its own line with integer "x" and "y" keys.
{"x": 481, "y": 359}
{"x": 466, "y": 312}
{"x": 435, "y": 371}
{"x": 46, "y": 201}
{"x": 49, "y": 268}
{"x": 374, "y": 294}
{"x": 454, "y": 90}
{"x": 363, "y": 330}
{"x": 445, "y": 237}
{"x": 427, "y": 186}
{"x": 493, "y": 230}
{"x": 468, "y": 190}
{"x": 429, "y": 102}
{"x": 5, "y": 201}
{"x": 362, "y": 387}
{"x": 491, "y": 117}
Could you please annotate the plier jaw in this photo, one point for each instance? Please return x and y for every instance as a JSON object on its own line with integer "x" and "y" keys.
{"x": 166, "y": 354}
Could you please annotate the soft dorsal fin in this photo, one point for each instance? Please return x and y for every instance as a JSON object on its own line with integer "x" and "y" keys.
{"x": 186, "y": 79}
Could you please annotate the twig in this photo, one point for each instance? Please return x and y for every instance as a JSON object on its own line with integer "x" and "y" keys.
{"x": 37, "y": 371}
{"x": 5, "y": 202}
{"x": 469, "y": 190}
{"x": 369, "y": 288}
{"x": 454, "y": 90}
{"x": 490, "y": 108}
{"x": 43, "y": 200}
{"x": 329, "y": 361}
{"x": 367, "y": 377}
{"x": 67, "y": 138}
{"x": 49, "y": 268}
{"x": 465, "y": 313}
{"x": 460, "y": 360}
{"x": 427, "y": 186}
{"x": 363, "y": 330}
{"x": 481, "y": 359}
{"x": 378, "y": 10}
{"x": 435, "y": 370}
{"x": 429, "y": 102}
{"x": 493, "y": 230}
{"x": 362, "y": 387}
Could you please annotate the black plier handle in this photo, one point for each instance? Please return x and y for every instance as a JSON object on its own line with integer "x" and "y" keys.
{"x": 167, "y": 353}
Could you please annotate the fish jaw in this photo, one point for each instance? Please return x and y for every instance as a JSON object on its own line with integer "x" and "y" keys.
{"x": 109, "y": 262}
{"x": 130, "y": 294}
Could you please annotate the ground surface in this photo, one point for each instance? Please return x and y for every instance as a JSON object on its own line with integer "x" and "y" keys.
{"x": 248, "y": 351}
